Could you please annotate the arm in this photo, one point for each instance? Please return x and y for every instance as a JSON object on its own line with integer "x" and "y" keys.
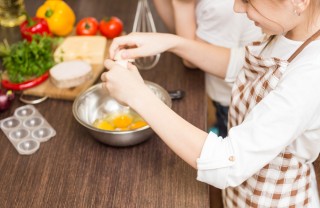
{"x": 183, "y": 138}
{"x": 165, "y": 11}
{"x": 185, "y": 21}
{"x": 184, "y": 18}
{"x": 176, "y": 15}
{"x": 179, "y": 17}
{"x": 202, "y": 55}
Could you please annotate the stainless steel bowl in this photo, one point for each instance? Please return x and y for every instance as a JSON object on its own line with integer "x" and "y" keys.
{"x": 96, "y": 102}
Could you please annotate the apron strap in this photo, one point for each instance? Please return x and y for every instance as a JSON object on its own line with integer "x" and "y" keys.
{"x": 312, "y": 38}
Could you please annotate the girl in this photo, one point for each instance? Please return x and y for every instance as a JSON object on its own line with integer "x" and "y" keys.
{"x": 274, "y": 126}
{"x": 213, "y": 22}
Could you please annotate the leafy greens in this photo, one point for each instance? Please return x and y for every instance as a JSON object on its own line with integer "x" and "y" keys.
{"x": 26, "y": 60}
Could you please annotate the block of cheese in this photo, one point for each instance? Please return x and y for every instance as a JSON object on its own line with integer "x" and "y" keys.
{"x": 86, "y": 48}
{"x": 70, "y": 73}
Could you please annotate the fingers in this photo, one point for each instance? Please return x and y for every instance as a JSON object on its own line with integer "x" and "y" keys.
{"x": 131, "y": 67}
{"x": 105, "y": 85}
{"x": 135, "y": 71}
{"x": 132, "y": 53}
{"x": 108, "y": 63}
{"x": 120, "y": 43}
{"x": 103, "y": 77}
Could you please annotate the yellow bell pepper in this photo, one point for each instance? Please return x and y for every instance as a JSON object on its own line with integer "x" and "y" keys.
{"x": 59, "y": 15}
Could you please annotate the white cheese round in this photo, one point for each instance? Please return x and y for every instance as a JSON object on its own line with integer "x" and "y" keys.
{"x": 70, "y": 73}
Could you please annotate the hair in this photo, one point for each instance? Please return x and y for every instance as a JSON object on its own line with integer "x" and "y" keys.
{"x": 314, "y": 9}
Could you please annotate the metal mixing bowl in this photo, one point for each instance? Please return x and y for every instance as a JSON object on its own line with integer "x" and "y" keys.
{"x": 96, "y": 102}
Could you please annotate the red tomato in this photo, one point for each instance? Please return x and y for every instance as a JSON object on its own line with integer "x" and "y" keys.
{"x": 87, "y": 26}
{"x": 111, "y": 27}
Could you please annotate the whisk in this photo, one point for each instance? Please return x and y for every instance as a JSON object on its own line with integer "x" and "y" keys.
{"x": 143, "y": 22}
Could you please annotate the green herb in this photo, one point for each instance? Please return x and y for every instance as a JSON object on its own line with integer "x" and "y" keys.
{"x": 25, "y": 60}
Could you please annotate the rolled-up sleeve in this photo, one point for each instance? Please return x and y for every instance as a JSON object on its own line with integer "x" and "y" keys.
{"x": 217, "y": 155}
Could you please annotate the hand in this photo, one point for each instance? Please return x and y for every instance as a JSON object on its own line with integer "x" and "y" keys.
{"x": 123, "y": 84}
{"x": 137, "y": 45}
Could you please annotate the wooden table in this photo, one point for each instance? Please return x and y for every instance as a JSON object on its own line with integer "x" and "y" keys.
{"x": 74, "y": 170}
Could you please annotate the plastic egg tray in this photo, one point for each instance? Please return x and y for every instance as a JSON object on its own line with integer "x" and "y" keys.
{"x": 26, "y": 129}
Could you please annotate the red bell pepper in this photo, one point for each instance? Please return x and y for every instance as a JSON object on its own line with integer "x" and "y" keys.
{"x": 33, "y": 26}
{"x": 24, "y": 85}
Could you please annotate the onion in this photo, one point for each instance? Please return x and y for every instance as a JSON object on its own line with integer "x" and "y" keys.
{"x": 6, "y": 98}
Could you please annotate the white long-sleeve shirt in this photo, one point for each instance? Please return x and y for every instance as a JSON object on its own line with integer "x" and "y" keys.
{"x": 218, "y": 24}
{"x": 288, "y": 116}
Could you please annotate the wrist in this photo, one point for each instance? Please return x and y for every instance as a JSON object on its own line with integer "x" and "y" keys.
{"x": 174, "y": 41}
{"x": 138, "y": 99}
{"x": 177, "y": 44}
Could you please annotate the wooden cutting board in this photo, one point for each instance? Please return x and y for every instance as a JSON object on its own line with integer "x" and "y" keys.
{"x": 48, "y": 89}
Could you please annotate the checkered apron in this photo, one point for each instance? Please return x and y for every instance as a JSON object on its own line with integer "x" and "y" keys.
{"x": 284, "y": 182}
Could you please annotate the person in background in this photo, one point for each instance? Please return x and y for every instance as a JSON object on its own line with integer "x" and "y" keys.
{"x": 213, "y": 22}
{"x": 274, "y": 123}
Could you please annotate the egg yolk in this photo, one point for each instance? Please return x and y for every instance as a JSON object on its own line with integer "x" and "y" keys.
{"x": 138, "y": 124}
{"x": 122, "y": 121}
{"x": 104, "y": 125}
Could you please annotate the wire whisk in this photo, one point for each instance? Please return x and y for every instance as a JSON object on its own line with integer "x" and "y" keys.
{"x": 143, "y": 22}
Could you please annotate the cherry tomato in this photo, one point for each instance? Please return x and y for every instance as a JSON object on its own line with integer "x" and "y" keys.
{"x": 87, "y": 26}
{"x": 111, "y": 28}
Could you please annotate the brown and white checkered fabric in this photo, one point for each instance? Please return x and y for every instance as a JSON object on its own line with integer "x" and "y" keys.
{"x": 258, "y": 78}
{"x": 284, "y": 182}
